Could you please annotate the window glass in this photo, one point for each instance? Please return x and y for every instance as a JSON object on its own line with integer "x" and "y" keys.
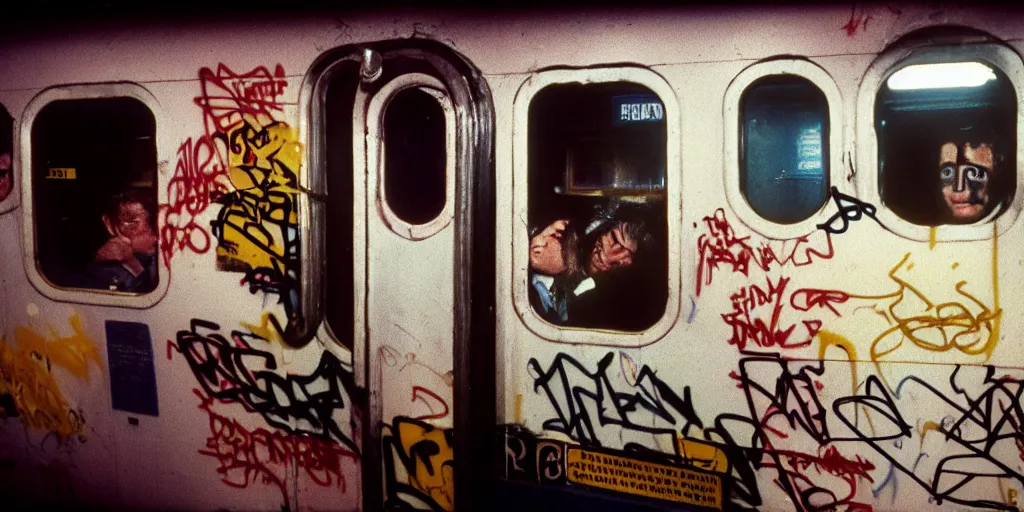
{"x": 6, "y": 153}
{"x": 597, "y": 163}
{"x": 946, "y": 142}
{"x": 94, "y": 194}
{"x": 784, "y": 154}
{"x": 415, "y": 158}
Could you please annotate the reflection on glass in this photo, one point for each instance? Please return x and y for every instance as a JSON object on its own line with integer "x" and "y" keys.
{"x": 784, "y": 154}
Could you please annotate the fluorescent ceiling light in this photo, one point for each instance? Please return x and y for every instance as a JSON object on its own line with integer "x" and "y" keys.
{"x": 941, "y": 76}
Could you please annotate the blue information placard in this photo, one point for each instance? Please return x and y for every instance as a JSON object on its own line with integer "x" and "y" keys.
{"x": 132, "y": 375}
{"x": 637, "y": 108}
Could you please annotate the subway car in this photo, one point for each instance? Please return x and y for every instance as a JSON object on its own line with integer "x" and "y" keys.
{"x": 701, "y": 258}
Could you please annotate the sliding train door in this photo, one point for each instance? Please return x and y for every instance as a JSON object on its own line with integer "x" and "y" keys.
{"x": 415, "y": 118}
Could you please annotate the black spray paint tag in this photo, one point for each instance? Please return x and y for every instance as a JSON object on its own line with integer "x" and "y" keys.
{"x": 132, "y": 375}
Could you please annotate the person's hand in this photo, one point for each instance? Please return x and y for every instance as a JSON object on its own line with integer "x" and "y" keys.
{"x": 145, "y": 243}
{"x": 118, "y": 248}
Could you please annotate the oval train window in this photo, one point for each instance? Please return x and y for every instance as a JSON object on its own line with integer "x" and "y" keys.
{"x": 784, "y": 158}
{"x": 598, "y": 251}
{"x": 415, "y": 156}
{"x": 946, "y": 142}
{"x": 94, "y": 178}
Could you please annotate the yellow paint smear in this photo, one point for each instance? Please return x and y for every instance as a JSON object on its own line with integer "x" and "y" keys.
{"x": 931, "y": 238}
{"x": 519, "y": 409}
{"x": 26, "y": 374}
{"x": 268, "y": 329}
{"x": 929, "y": 426}
{"x": 828, "y": 339}
{"x": 961, "y": 330}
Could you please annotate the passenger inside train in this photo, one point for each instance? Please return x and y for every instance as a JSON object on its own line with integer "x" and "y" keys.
{"x": 598, "y": 250}
{"x": 966, "y": 131}
{"x": 966, "y": 167}
{"x": 94, "y": 167}
{"x": 126, "y": 262}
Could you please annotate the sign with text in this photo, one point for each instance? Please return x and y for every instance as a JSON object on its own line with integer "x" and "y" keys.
{"x": 637, "y": 108}
{"x": 61, "y": 173}
{"x": 642, "y": 478}
{"x": 132, "y": 375}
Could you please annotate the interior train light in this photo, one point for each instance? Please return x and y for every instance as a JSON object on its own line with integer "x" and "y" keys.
{"x": 941, "y": 76}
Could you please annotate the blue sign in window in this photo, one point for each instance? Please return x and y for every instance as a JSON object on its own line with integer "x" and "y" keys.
{"x": 637, "y": 108}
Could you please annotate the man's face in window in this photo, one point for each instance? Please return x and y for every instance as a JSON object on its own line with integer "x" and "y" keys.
{"x": 614, "y": 249}
{"x": 965, "y": 172}
{"x": 546, "y": 249}
{"x": 133, "y": 223}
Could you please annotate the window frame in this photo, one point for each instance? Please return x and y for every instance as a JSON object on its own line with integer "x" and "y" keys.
{"x": 377, "y": 150}
{"x": 530, "y": 87}
{"x": 24, "y": 164}
{"x": 732, "y": 111}
{"x": 13, "y": 199}
{"x": 867, "y": 179}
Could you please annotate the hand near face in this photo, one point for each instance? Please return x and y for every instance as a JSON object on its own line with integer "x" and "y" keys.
{"x": 613, "y": 250}
{"x": 117, "y": 249}
{"x": 546, "y": 249}
{"x": 133, "y": 225}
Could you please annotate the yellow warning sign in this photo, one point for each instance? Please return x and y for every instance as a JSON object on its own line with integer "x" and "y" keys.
{"x": 642, "y": 478}
{"x": 61, "y": 173}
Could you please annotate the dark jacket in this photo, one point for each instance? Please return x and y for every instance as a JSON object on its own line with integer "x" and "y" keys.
{"x": 110, "y": 275}
{"x": 620, "y": 300}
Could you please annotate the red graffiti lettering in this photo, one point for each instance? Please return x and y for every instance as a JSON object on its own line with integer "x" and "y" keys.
{"x": 190, "y": 191}
{"x": 247, "y": 457}
{"x": 749, "y": 327}
{"x": 806, "y": 298}
{"x": 720, "y": 246}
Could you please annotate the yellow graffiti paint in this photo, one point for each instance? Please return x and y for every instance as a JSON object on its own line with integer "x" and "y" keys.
{"x": 26, "y": 374}
{"x": 828, "y": 339}
{"x": 264, "y": 157}
{"x": 268, "y": 329}
{"x": 432, "y": 473}
{"x": 929, "y": 426}
{"x": 703, "y": 455}
{"x": 72, "y": 353}
{"x": 958, "y": 327}
{"x": 519, "y": 409}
